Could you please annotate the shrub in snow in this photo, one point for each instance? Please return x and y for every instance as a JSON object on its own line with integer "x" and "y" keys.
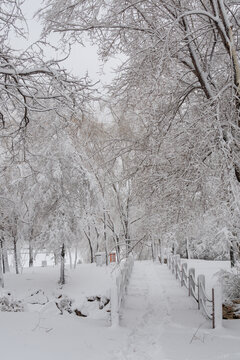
{"x": 103, "y": 300}
{"x": 231, "y": 284}
{"x": 64, "y": 303}
{"x": 38, "y": 297}
{"x": 7, "y": 303}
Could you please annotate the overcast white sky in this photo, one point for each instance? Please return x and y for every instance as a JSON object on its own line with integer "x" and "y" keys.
{"x": 81, "y": 60}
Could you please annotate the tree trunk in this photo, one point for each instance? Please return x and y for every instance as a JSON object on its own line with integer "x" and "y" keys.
{"x": 90, "y": 245}
{"x": 55, "y": 258}
{"x": 1, "y": 267}
{"x": 5, "y": 257}
{"x": 30, "y": 254}
{"x": 2, "y": 257}
{"x": 75, "y": 258}
{"x": 97, "y": 233}
{"x": 70, "y": 258}
{"x": 232, "y": 257}
{"x": 153, "y": 251}
{"x": 105, "y": 235}
{"x": 62, "y": 266}
{"x": 117, "y": 249}
{"x": 5, "y": 263}
{"x": 187, "y": 250}
{"x": 15, "y": 255}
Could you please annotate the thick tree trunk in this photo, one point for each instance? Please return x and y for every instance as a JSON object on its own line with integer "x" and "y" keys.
{"x": 5, "y": 263}
{"x": 62, "y": 266}
{"x": 15, "y": 255}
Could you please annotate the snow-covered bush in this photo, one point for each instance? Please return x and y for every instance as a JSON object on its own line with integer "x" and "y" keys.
{"x": 231, "y": 284}
{"x": 7, "y": 303}
{"x": 64, "y": 303}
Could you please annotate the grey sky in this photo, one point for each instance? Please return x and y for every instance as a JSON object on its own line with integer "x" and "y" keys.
{"x": 81, "y": 60}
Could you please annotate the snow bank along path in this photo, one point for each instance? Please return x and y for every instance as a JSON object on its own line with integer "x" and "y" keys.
{"x": 158, "y": 320}
{"x": 163, "y": 323}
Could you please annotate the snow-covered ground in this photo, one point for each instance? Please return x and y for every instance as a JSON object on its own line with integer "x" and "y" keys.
{"x": 158, "y": 320}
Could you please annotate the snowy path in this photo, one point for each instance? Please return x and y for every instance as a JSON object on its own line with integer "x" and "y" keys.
{"x": 163, "y": 323}
{"x": 158, "y": 321}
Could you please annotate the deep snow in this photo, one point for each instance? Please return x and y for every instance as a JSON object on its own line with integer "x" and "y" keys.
{"x": 158, "y": 320}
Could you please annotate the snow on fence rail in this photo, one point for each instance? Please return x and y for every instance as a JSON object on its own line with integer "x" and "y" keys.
{"x": 119, "y": 285}
{"x": 211, "y": 307}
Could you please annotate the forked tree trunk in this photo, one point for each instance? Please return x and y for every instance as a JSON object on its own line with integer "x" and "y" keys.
{"x": 90, "y": 245}
{"x": 62, "y": 266}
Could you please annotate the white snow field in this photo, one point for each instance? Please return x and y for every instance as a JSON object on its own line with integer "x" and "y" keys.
{"x": 158, "y": 320}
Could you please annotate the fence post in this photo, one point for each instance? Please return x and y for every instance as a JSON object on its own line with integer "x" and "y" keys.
{"x": 173, "y": 263}
{"x": 191, "y": 275}
{"x": 177, "y": 262}
{"x": 169, "y": 261}
{"x": 201, "y": 284}
{"x": 217, "y": 306}
{"x": 184, "y": 271}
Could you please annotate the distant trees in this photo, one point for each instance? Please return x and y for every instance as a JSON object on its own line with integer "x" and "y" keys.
{"x": 165, "y": 168}
{"x": 178, "y": 92}
{"x": 43, "y": 185}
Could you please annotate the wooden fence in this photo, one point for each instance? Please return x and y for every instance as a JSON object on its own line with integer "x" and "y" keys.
{"x": 120, "y": 281}
{"x": 210, "y": 307}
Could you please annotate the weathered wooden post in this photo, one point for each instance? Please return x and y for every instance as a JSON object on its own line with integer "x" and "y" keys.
{"x": 173, "y": 263}
{"x": 177, "y": 262}
{"x": 201, "y": 287}
{"x": 191, "y": 283}
{"x": 184, "y": 271}
{"x": 217, "y": 306}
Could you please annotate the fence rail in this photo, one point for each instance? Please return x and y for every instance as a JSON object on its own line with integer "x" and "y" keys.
{"x": 120, "y": 279}
{"x": 210, "y": 307}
